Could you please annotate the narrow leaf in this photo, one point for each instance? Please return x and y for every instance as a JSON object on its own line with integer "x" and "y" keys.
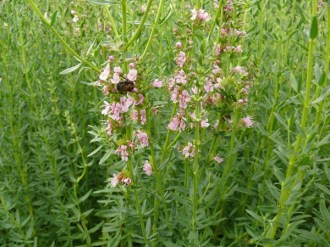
{"x": 314, "y": 29}
{"x": 69, "y": 70}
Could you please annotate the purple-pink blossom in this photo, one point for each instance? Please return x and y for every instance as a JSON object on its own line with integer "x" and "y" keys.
{"x": 200, "y": 14}
{"x": 122, "y": 151}
{"x": 184, "y": 99}
{"x": 178, "y": 44}
{"x": 115, "y": 180}
{"x": 126, "y": 181}
{"x": 189, "y": 150}
{"x": 105, "y": 73}
{"x": 143, "y": 138}
{"x": 157, "y": 83}
{"x": 177, "y": 123}
{"x": 218, "y": 159}
{"x": 180, "y": 77}
{"x": 248, "y": 121}
{"x": 147, "y": 168}
{"x": 181, "y": 59}
{"x": 109, "y": 127}
{"x": 132, "y": 73}
{"x": 143, "y": 117}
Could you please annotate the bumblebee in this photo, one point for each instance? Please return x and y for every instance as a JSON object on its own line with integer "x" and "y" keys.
{"x": 125, "y": 86}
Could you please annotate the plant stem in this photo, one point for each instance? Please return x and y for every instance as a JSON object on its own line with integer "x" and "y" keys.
{"x": 159, "y": 11}
{"x": 67, "y": 46}
{"x": 195, "y": 164}
{"x": 113, "y": 24}
{"x": 138, "y": 31}
{"x": 287, "y": 186}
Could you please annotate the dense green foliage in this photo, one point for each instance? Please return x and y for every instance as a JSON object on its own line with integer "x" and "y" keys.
{"x": 55, "y": 158}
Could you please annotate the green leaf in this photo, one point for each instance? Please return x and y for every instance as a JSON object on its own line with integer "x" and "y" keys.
{"x": 84, "y": 197}
{"x": 325, "y": 214}
{"x": 53, "y": 18}
{"x": 314, "y": 29}
{"x": 255, "y": 216}
{"x": 102, "y": 2}
{"x": 105, "y": 157}
{"x": 69, "y": 70}
{"x": 95, "y": 151}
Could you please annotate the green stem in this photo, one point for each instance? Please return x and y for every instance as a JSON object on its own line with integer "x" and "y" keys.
{"x": 124, "y": 18}
{"x": 67, "y": 46}
{"x": 195, "y": 164}
{"x": 219, "y": 14}
{"x": 287, "y": 186}
{"x": 113, "y": 23}
{"x": 166, "y": 145}
{"x": 326, "y": 72}
{"x": 138, "y": 205}
{"x": 153, "y": 28}
{"x": 159, "y": 181}
{"x": 139, "y": 29}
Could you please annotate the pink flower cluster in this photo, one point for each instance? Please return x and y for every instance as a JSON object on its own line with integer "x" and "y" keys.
{"x": 189, "y": 150}
{"x": 200, "y": 15}
{"x": 120, "y": 178}
{"x": 147, "y": 168}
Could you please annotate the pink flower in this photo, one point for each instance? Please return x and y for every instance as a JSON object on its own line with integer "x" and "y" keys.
{"x": 132, "y": 73}
{"x": 184, "y": 99}
{"x": 248, "y": 121}
{"x": 105, "y": 73}
{"x": 238, "y": 49}
{"x": 115, "y": 180}
{"x": 178, "y": 45}
{"x": 205, "y": 123}
{"x": 107, "y": 108}
{"x": 181, "y": 59}
{"x": 135, "y": 115}
{"x": 240, "y": 70}
{"x": 75, "y": 19}
{"x": 111, "y": 58}
{"x": 115, "y": 111}
{"x": 240, "y": 33}
{"x": 141, "y": 99}
{"x": 175, "y": 94}
{"x": 171, "y": 84}
{"x": 241, "y": 101}
{"x": 217, "y": 50}
{"x": 147, "y": 168}
{"x": 143, "y": 138}
{"x": 218, "y": 159}
{"x": 157, "y": 83}
{"x": 127, "y": 181}
{"x": 115, "y": 79}
{"x": 143, "y": 8}
{"x": 200, "y": 14}
{"x": 194, "y": 89}
{"x": 177, "y": 123}
{"x": 105, "y": 90}
{"x": 180, "y": 77}
{"x": 109, "y": 128}
{"x": 117, "y": 70}
{"x": 189, "y": 150}
{"x": 216, "y": 70}
{"x": 143, "y": 117}
{"x": 208, "y": 86}
{"x": 131, "y": 65}
{"x": 122, "y": 150}
{"x": 126, "y": 102}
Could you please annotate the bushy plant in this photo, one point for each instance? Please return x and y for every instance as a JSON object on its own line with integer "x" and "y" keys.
{"x": 209, "y": 128}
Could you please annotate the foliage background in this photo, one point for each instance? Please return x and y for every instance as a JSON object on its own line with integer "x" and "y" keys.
{"x": 45, "y": 118}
